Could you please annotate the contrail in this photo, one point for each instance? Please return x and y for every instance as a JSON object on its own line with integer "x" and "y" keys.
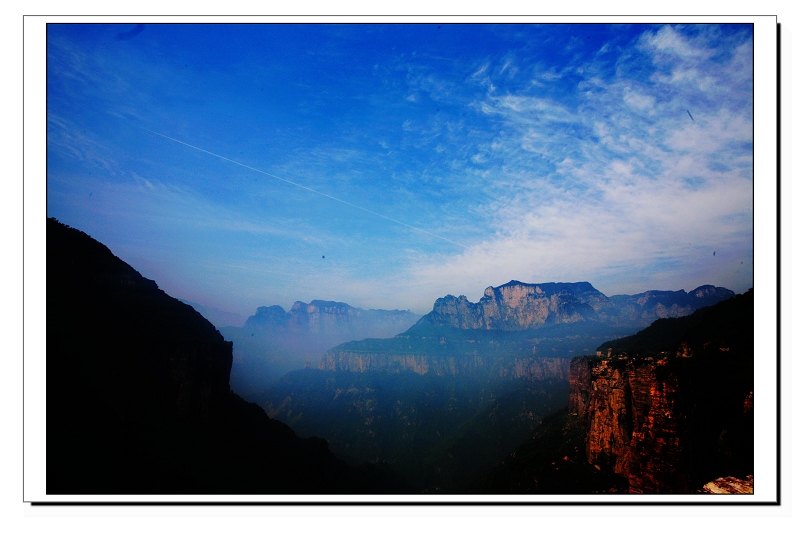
{"x": 302, "y": 187}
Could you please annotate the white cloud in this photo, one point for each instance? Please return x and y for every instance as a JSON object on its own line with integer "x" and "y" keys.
{"x": 639, "y": 101}
{"x": 550, "y": 76}
{"x": 620, "y": 180}
{"x": 668, "y": 41}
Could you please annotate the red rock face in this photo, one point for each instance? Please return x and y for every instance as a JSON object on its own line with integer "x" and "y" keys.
{"x": 632, "y": 422}
{"x": 671, "y": 423}
{"x": 655, "y": 445}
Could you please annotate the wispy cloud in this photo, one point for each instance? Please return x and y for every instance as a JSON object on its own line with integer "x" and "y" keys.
{"x": 620, "y": 179}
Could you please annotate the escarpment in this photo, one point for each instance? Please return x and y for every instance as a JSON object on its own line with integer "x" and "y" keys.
{"x": 671, "y": 423}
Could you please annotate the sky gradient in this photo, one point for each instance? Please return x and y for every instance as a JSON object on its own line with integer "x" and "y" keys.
{"x": 388, "y": 165}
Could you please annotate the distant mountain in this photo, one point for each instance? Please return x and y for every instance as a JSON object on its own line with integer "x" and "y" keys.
{"x": 518, "y": 306}
{"x": 219, "y": 318}
{"x": 648, "y": 306}
{"x": 138, "y": 398}
{"x": 520, "y": 321}
{"x": 322, "y": 322}
{"x": 274, "y": 342}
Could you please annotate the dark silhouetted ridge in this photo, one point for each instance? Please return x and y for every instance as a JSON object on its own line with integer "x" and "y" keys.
{"x": 138, "y": 396}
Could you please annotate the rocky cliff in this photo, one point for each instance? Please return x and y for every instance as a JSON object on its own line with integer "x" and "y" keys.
{"x": 518, "y": 306}
{"x": 668, "y": 424}
{"x": 138, "y": 399}
{"x": 633, "y": 422}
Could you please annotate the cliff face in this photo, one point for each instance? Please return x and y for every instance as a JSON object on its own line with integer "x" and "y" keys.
{"x": 518, "y": 306}
{"x": 531, "y": 368}
{"x": 633, "y": 422}
{"x": 669, "y": 424}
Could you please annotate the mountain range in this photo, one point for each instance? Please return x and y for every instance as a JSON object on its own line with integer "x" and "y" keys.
{"x": 519, "y": 321}
{"x": 139, "y": 397}
{"x": 518, "y": 306}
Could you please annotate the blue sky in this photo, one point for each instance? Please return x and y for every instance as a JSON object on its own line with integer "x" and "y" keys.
{"x": 419, "y": 160}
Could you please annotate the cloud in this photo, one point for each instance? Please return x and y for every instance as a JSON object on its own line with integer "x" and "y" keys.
{"x": 75, "y": 143}
{"x": 639, "y": 101}
{"x": 668, "y": 41}
{"x": 550, "y": 75}
{"x": 618, "y": 178}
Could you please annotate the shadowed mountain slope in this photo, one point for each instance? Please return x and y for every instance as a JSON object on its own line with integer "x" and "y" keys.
{"x": 138, "y": 399}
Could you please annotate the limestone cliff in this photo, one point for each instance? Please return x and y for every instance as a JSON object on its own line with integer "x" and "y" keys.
{"x": 518, "y": 306}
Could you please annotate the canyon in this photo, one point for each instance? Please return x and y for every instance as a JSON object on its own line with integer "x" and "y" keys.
{"x": 140, "y": 396}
